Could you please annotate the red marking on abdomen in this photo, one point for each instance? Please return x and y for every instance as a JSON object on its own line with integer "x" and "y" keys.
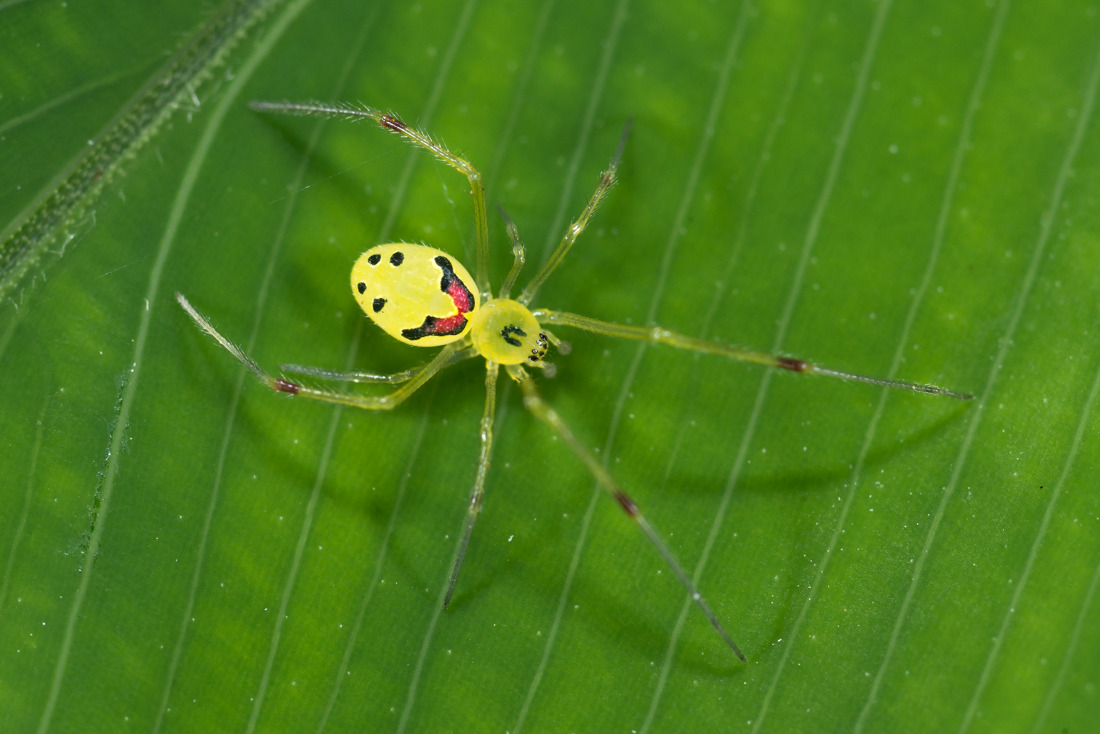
{"x": 453, "y": 286}
{"x": 432, "y": 326}
{"x": 447, "y": 326}
{"x": 460, "y": 294}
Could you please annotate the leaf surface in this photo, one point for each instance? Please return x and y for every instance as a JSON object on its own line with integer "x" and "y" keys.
{"x": 895, "y": 188}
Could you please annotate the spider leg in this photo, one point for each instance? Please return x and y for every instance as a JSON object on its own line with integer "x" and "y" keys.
{"x": 446, "y": 357}
{"x": 473, "y": 508}
{"x": 519, "y": 254}
{"x": 607, "y": 180}
{"x": 539, "y": 407}
{"x": 659, "y": 335}
{"x": 393, "y": 123}
{"x": 396, "y": 378}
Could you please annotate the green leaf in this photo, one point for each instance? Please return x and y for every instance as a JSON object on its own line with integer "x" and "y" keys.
{"x": 896, "y": 189}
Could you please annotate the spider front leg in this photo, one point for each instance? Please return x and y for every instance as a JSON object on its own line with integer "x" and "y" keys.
{"x": 419, "y": 138}
{"x": 447, "y": 356}
{"x": 542, "y": 410}
{"x": 519, "y": 254}
{"x": 607, "y": 180}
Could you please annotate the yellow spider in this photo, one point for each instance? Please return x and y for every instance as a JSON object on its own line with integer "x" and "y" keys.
{"x": 424, "y": 297}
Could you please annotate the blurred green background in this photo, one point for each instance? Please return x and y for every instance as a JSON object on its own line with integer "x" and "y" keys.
{"x": 895, "y": 188}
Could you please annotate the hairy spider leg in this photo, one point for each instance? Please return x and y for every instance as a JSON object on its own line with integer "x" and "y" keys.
{"x": 450, "y": 354}
{"x": 607, "y": 181}
{"x": 477, "y": 494}
{"x": 519, "y": 254}
{"x": 542, "y": 410}
{"x": 417, "y": 137}
{"x": 320, "y": 373}
{"x": 659, "y": 335}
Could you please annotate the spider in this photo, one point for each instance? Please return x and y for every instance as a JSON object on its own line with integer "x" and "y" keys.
{"x": 422, "y": 296}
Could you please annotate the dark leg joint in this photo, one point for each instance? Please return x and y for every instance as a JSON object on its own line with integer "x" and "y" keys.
{"x": 392, "y": 123}
{"x": 286, "y": 386}
{"x": 794, "y": 365}
{"x": 626, "y": 503}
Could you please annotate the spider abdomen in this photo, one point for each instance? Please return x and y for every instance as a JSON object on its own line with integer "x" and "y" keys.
{"x": 415, "y": 293}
